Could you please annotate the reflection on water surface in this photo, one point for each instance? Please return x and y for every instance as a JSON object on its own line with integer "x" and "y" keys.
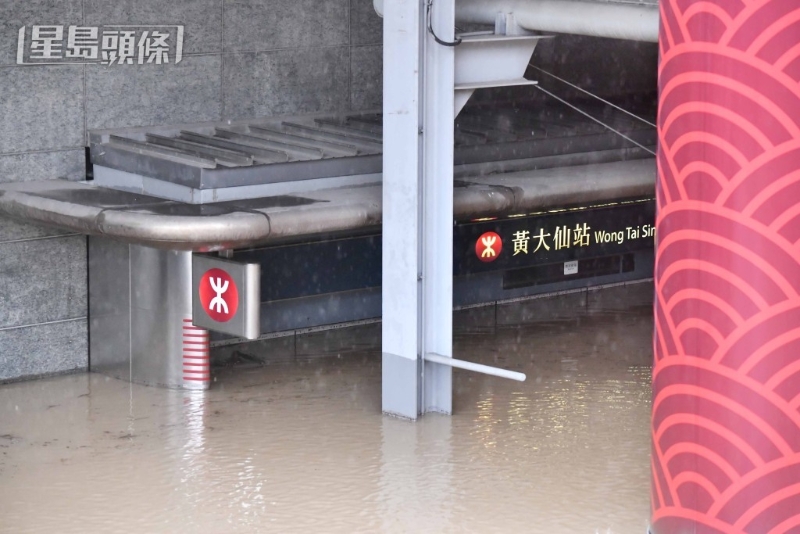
{"x": 302, "y": 447}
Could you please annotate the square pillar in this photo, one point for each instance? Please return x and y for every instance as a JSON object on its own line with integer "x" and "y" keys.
{"x": 417, "y": 207}
{"x": 140, "y": 316}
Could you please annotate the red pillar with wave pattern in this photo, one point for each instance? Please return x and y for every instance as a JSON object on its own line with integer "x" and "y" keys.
{"x": 726, "y": 379}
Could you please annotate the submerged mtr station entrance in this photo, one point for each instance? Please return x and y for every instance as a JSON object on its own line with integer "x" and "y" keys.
{"x": 399, "y": 214}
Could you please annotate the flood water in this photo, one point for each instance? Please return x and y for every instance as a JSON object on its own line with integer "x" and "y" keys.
{"x": 301, "y": 445}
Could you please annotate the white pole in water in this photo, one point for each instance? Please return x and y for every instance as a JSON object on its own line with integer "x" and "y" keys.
{"x": 402, "y": 161}
{"x": 418, "y": 115}
{"x": 437, "y": 204}
{"x": 476, "y": 367}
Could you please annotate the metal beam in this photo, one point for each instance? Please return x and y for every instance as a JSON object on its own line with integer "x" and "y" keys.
{"x": 621, "y": 19}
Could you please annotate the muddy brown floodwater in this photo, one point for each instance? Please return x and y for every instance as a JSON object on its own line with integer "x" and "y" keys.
{"x": 301, "y": 446}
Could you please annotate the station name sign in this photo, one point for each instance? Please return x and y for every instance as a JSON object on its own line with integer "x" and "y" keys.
{"x": 559, "y": 236}
{"x": 105, "y": 45}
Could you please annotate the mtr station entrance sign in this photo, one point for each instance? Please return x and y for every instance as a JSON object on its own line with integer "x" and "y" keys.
{"x": 226, "y": 296}
{"x": 565, "y": 235}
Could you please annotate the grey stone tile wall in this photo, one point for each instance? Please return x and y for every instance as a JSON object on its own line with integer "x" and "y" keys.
{"x": 366, "y": 67}
{"x": 44, "y": 280}
{"x": 258, "y": 25}
{"x": 134, "y": 95}
{"x": 202, "y": 18}
{"x": 41, "y": 107}
{"x": 42, "y": 301}
{"x": 11, "y": 230}
{"x": 241, "y": 58}
{"x": 366, "y": 27}
{"x": 305, "y": 80}
{"x": 43, "y": 349}
{"x": 15, "y": 14}
{"x": 67, "y": 164}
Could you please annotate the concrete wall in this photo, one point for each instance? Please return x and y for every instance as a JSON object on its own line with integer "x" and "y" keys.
{"x": 242, "y": 58}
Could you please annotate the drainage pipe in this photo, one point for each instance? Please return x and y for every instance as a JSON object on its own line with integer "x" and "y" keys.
{"x": 636, "y": 22}
{"x": 475, "y": 367}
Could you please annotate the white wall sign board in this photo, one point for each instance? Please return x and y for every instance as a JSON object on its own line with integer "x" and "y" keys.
{"x": 570, "y": 267}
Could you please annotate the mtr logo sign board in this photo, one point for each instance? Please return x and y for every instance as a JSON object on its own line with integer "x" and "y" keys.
{"x": 219, "y": 295}
{"x": 226, "y": 296}
{"x": 488, "y": 247}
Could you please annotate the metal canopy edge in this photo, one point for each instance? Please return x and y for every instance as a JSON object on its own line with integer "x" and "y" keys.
{"x": 135, "y": 218}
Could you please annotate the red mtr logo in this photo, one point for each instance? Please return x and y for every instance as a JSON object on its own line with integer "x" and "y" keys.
{"x": 219, "y": 295}
{"x": 488, "y": 247}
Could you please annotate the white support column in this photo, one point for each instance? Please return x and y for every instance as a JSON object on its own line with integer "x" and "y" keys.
{"x": 417, "y": 207}
{"x": 437, "y": 208}
{"x": 402, "y": 161}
